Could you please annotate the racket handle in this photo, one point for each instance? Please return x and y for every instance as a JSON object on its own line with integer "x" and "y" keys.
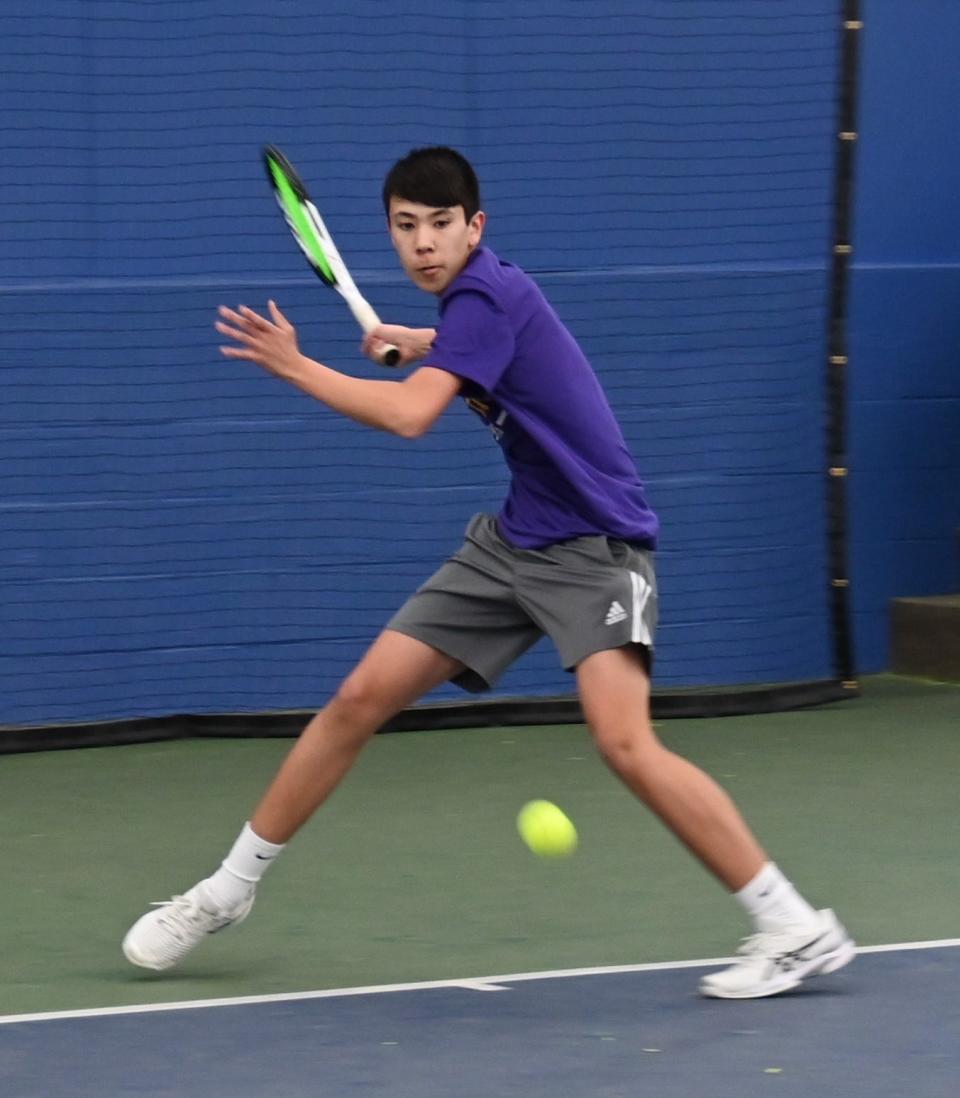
{"x": 368, "y": 320}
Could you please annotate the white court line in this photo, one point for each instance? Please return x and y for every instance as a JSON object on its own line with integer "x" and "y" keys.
{"x": 471, "y": 983}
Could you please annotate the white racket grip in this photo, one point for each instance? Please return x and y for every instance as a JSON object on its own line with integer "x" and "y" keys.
{"x": 363, "y": 312}
{"x": 368, "y": 320}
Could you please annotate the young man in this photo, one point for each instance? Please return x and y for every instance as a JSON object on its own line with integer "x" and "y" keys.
{"x": 569, "y": 555}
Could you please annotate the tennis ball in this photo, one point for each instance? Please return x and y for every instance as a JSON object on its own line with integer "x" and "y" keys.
{"x": 546, "y": 829}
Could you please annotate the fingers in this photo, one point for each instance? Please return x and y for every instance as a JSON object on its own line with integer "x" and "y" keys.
{"x": 246, "y": 316}
{"x": 371, "y": 344}
{"x": 230, "y": 333}
{"x": 229, "y": 314}
{"x": 260, "y": 340}
{"x": 374, "y": 349}
{"x": 254, "y": 319}
{"x": 278, "y": 318}
{"x": 245, "y": 326}
{"x": 238, "y": 352}
{"x": 243, "y": 329}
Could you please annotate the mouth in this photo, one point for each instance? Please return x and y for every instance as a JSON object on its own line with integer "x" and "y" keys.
{"x": 430, "y": 270}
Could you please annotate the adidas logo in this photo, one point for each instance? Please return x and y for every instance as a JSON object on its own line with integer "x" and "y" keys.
{"x": 614, "y": 614}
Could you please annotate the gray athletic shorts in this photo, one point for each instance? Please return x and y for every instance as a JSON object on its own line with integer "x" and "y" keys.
{"x": 490, "y": 602}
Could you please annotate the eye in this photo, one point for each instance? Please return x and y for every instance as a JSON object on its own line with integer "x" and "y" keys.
{"x": 442, "y": 222}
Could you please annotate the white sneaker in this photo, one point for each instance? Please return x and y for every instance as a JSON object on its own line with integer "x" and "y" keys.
{"x": 776, "y": 961}
{"x": 166, "y": 935}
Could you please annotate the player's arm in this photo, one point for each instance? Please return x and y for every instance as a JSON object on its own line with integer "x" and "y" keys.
{"x": 407, "y": 408}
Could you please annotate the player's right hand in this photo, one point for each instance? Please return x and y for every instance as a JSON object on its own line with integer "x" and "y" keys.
{"x": 412, "y": 343}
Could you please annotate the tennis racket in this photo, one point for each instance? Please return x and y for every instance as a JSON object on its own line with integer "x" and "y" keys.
{"x": 317, "y": 244}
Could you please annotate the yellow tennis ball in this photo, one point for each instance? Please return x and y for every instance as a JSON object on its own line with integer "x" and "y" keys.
{"x": 546, "y": 829}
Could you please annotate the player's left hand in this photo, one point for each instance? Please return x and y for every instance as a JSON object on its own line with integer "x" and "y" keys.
{"x": 270, "y": 343}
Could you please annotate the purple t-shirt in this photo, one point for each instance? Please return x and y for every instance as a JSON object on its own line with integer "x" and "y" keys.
{"x": 525, "y": 375}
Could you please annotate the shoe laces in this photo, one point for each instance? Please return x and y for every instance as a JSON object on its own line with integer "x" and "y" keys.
{"x": 180, "y": 910}
{"x": 765, "y": 943}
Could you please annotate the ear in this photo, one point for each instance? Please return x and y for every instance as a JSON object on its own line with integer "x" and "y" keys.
{"x": 475, "y": 228}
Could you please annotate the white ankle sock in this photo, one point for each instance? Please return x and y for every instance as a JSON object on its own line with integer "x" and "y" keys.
{"x": 248, "y": 860}
{"x": 772, "y": 902}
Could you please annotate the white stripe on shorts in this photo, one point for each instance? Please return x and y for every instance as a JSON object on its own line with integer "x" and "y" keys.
{"x": 639, "y": 633}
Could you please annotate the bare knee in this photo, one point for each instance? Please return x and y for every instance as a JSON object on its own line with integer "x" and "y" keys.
{"x": 357, "y": 709}
{"x": 630, "y": 750}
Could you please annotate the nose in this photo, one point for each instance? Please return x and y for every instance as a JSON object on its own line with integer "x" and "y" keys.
{"x": 424, "y": 240}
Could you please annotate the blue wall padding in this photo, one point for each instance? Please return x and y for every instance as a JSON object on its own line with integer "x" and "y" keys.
{"x": 185, "y": 534}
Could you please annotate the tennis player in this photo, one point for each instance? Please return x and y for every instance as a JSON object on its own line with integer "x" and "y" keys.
{"x": 569, "y": 555}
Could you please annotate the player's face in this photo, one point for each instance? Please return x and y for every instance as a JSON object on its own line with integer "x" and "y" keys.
{"x": 433, "y": 244}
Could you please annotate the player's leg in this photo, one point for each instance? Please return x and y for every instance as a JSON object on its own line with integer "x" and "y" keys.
{"x": 793, "y": 940}
{"x": 462, "y": 624}
{"x": 395, "y": 671}
{"x": 596, "y": 597}
{"x": 615, "y": 694}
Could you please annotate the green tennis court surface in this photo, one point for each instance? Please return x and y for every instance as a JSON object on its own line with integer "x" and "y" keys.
{"x": 414, "y": 872}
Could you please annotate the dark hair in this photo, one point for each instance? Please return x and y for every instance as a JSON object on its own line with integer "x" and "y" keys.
{"x": 435, "y": 176}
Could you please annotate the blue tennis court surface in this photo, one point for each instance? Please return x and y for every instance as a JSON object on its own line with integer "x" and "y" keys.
{"x": 888, "y": 1025}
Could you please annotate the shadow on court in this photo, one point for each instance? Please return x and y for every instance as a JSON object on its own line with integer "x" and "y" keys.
{"x": 889, "y": 1025}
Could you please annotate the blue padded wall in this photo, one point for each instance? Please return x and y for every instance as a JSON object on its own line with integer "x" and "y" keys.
{"x": 185, "y": 534}
{"x": 903, "y": 322}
